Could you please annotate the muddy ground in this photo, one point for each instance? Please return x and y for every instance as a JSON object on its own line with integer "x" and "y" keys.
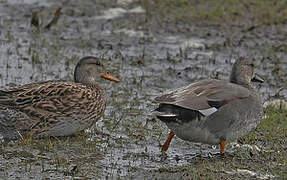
{"x": 152, "y": 46}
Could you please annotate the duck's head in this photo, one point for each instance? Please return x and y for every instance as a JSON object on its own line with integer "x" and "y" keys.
{"x": 243, "y": 72}
{"x": 89, "y": 69}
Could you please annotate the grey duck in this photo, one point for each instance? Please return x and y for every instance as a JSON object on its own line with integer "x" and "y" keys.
{"x": 213, "y": 111}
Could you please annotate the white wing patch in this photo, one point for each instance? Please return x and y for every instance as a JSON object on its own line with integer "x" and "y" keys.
{"x": 208, "y": 112}
{"x": 164, "y": 114}
{"x": 167, "y": 115}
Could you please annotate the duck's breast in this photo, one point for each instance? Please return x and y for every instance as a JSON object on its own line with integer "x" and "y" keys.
{"x": 236, "y": 118}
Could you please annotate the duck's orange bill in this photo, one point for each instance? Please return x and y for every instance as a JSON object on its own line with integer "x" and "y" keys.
{"x": 109, "y": 77}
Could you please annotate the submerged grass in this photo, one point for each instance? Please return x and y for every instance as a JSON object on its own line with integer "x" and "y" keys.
{"x": 58, "y": 157}
{"x": 268, "y": 161}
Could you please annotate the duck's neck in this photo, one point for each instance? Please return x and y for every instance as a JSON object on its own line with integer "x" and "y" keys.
{"x": 92, "y": 84}
{"x": 239, "y": 78}
{"x": 89, "y": 82}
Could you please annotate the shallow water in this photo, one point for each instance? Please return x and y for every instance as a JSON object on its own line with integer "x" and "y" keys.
{"x": 147, "y": 59}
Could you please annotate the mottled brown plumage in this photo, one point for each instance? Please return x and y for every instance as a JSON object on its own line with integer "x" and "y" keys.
{"x": 54, "y": 108}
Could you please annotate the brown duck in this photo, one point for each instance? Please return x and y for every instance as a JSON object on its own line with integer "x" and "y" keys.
{"x": 55, "y": 108}
{"x": 213, "y": 111}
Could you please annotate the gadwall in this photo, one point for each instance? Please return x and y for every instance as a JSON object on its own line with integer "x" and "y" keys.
{"x": 55, "y": 108}
{"x": 213, "y": 111}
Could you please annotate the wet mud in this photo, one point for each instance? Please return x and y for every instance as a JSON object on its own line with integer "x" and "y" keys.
{"x": 150, "y": 54}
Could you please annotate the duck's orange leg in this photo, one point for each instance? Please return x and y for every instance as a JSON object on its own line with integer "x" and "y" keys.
{"x": 222, "y": 146}
{"x": 165, "y": 146}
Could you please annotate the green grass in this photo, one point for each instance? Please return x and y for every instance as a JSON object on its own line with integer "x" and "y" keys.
{"x": 272, "y": 130}
{"x": 236, "y": 12}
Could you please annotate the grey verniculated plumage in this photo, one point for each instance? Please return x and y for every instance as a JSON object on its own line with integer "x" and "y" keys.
{"x": 213, "y": 111}
{"x": 55, "y": 107}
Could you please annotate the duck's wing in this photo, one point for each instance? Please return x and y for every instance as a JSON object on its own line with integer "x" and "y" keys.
{"x": 44, "y": 104}
{"x": 205, "y": 96}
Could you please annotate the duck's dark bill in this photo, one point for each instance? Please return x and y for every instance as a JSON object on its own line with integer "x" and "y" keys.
{"x": 109, "y": 77}
{"x": 257, "y": 78}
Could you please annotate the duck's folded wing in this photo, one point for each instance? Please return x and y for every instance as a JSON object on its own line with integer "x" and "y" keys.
{"x": 205, "y": 96}
{"x": 44, "y": 100}
{"x": 9, "y": 97}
